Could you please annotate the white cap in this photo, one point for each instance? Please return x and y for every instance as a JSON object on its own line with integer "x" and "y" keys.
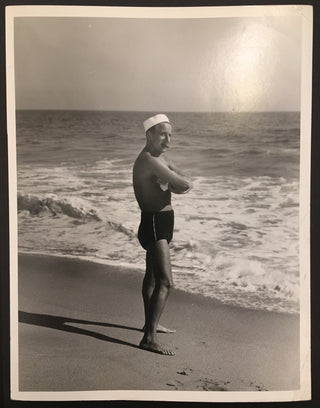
{"x": 154, "y": 120}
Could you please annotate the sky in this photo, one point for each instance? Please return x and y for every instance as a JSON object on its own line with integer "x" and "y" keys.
{"x": 212, "y": 64}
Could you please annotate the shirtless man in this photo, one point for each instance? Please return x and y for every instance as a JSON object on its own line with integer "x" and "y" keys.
{"x": 154, "y": 178}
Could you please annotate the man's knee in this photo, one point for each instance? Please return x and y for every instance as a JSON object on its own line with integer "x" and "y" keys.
{"x": 165, "y": 284}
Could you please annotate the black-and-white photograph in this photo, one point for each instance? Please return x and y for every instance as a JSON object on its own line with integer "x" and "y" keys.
{"x": 159, "y": 187}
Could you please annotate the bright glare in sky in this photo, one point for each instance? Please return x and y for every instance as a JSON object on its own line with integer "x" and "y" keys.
{"x": 214, "y": 64}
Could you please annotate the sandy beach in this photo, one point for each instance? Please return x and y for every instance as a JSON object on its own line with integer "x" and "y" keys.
{"x": 80, "y": 326}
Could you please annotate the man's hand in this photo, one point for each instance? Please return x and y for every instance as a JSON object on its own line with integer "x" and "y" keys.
{"x": 163, "y": 184}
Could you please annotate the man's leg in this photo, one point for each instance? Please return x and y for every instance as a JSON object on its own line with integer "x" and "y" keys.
{"x": 147, "y": 287}
{"x": 147, "y": 291}
{"x": 159, "y": 258}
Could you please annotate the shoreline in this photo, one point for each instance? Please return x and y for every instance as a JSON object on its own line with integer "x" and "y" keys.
{"x": 80, "y": 326}
{"x": 129, "y": 268}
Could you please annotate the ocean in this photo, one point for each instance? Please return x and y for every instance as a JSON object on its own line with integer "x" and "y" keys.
{"x": 236, "y": 234}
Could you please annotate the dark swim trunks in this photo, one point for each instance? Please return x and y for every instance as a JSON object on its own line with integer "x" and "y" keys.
{"x": 155, "y": 226}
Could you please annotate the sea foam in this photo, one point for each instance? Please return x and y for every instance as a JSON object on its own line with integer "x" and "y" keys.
{"x": 52, "y": 205}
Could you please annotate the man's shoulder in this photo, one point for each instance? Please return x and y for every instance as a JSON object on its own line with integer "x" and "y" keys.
{"x": 145, "y": 155}
{"x": 142, "y": 158}
{"x": 147, "y": 158}
{"x": 143, "y": 163}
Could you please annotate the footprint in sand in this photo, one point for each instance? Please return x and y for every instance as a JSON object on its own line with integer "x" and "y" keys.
{"x": 176, "y": 384}
{"x": 185, "y": 371}
{"x": 207, "y": 384}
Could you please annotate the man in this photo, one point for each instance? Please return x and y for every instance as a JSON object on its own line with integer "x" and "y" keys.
{"x": 154, "y": 178}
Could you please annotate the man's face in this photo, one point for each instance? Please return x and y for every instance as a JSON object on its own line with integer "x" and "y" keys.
{"x": 160, "y": 136}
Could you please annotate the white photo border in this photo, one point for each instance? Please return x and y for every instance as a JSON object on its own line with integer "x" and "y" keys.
{"x": 306, "y": 14}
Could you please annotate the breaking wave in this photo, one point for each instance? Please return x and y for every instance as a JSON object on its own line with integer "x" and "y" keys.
{"x": 53, "y": 205}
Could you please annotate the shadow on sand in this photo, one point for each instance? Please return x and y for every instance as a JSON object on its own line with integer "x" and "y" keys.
{"x": 61, "y": 323}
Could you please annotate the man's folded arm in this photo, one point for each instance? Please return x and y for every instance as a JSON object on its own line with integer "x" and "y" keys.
{"x": 167, "y": 175}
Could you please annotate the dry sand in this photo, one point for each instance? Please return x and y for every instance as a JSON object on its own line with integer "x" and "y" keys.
{"x": 80, "y": 324}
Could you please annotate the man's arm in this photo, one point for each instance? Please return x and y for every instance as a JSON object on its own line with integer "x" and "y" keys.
{"x": 178, "y": 182}
{"x": 172, "y": 188}
{"x": 174, "y": 168}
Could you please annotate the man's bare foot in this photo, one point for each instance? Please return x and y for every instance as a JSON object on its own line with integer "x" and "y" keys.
{"x": 162, "y": 329}
{"x": 155, "y": 348}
